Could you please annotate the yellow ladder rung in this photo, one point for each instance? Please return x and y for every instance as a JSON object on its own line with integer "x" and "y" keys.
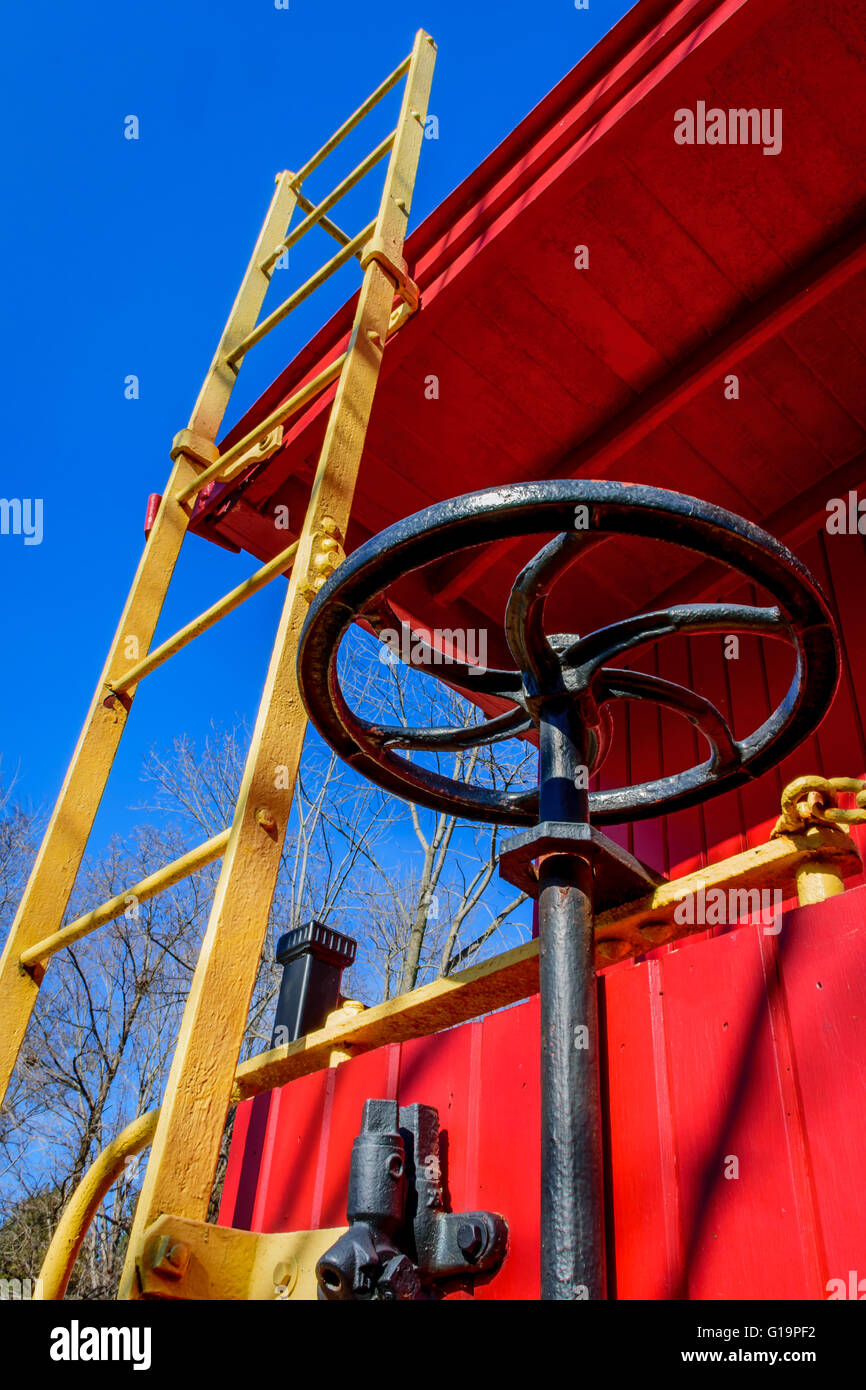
{"x": 351, "y": 121}
{"x": 306, "y": 205}
{"x": 205, "y": 620}
{"x": 283, "y": 412}
{"x": 163, "y": 878}
{"x": 351, "y": 248}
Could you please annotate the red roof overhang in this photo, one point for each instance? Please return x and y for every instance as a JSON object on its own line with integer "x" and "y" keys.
{"x": 703, "y": 261}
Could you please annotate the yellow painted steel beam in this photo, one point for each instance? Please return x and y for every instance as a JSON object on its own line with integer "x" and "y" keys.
{"x": 638, "y": 926}
{"x": 186, "y": 1145}
{"x": 185, "y": 1259}
{"x": 53, "y": 876}
{"x": 227, "y": 604}
{"x": 36, "y": 957}
{"x": 620, "y": 933}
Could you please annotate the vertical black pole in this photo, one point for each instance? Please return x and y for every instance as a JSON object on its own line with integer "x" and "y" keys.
{"x": 572, "y": 1203}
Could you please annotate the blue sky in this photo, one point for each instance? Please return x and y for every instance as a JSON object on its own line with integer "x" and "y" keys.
{"x": 122, "y": 257}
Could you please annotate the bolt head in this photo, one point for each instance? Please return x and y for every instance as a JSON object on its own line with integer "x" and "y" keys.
{"x": 171, "y": 1257}
{"x": 399, "y": 1281}
{"x": 470, "y": 1239}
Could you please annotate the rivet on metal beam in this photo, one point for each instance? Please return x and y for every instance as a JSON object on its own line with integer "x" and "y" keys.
{"x": 285, "y": 1278}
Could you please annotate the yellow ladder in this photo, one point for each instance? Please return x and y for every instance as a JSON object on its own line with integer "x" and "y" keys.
{"x": 186, "y": 1144}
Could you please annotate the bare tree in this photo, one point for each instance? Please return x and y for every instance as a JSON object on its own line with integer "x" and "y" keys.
{"x": 409, "y": 884}
{"x": 17, "y": 848}
{"x": 416, "y": 917}
{"x": 99, "y": 1045}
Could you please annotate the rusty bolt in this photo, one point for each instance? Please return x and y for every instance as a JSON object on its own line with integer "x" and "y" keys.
{"x": 470, "y": 1239}
{"x": 171, "y": 1257}
{"x": 266, "y": 819}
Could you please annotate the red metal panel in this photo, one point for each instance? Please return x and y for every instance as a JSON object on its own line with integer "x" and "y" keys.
{"x": 375, "y": 1074}
{"x": 287, "y": 1180}
{"x": 749, "y": 1046}
{"x": 643, "y": 1215}
{"x": 738, "y": 1232}
{"x": 825, "y": 993}
{"x": 508, "y": 1137}
{"x": 244, "y": 1162}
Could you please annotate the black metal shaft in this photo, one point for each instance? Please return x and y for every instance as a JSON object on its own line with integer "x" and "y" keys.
{"x": 572, "y": 1200}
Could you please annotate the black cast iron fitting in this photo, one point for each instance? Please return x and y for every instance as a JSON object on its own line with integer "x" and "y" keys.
{"x": 401, "y": 1242}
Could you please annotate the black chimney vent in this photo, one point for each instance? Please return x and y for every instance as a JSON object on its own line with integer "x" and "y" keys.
{"x": 313, "y": 958}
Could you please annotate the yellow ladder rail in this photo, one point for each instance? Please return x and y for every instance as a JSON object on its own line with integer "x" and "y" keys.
{"x": 36, "y": 932}
{"x": 185, "y": 1149}
{"x": 54, "y": 872}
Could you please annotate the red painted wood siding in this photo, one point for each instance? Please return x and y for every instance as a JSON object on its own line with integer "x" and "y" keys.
{"x": 749, "y": 1047}
{"x": 649, "y": 742}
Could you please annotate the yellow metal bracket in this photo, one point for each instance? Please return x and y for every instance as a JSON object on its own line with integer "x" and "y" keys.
{"x": 396, "y": 268}
{"x": 256, "y": 453}
{"x": 327, "y": 553}
{"x": 184, "y": 1259}
{"x": 195, "y": 446}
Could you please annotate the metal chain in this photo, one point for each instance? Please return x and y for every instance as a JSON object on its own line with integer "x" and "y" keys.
{"x": 813, "y": 801}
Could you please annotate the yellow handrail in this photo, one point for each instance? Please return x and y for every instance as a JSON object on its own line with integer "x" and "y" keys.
{"x": 85, "y": 1202}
